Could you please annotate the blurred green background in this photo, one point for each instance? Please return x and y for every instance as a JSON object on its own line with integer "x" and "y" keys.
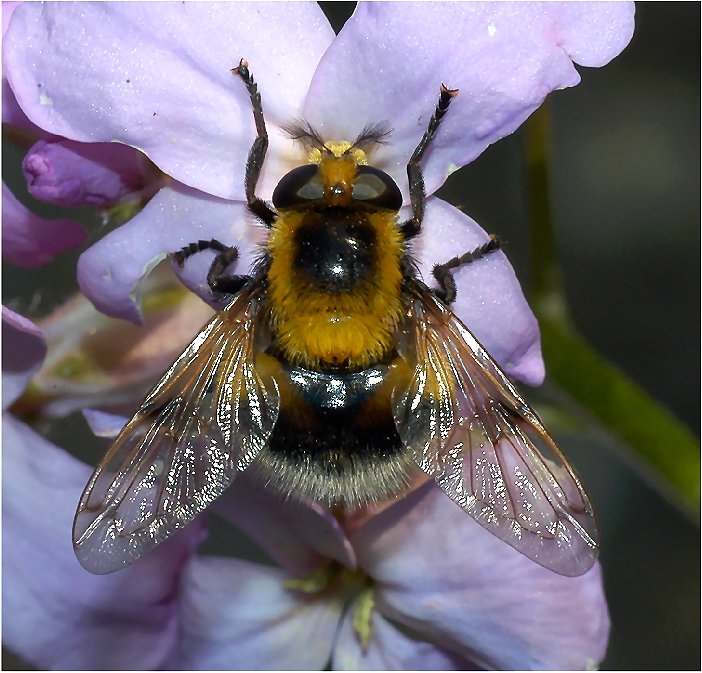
{"x": 625, "y": 192}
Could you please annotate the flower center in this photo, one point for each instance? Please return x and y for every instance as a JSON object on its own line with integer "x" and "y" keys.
{"x": 356, "y": 587}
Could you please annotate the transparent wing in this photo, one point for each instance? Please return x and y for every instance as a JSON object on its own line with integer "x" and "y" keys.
{"x": 206, "y": 418}
{"x": 472, "y": 431}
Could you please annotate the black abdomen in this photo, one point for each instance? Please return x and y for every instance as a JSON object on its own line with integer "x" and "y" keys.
{"x": 335, "y": 438}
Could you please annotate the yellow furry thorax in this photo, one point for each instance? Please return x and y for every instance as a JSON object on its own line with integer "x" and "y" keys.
{"x": 318, "y": 329}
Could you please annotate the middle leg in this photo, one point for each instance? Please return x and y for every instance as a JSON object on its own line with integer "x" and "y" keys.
{"x": 442, "y": 272}
{"x": 218, "y": 282}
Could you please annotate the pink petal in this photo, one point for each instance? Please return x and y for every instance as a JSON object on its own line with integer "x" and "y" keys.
{"x": 68, "y": 173}
{"x": 236, "y": 615}
{"x": 8, "y": 8}
{"x": 593, "y": 33}
{"x": 157, "y": 76}
{"x": 389, "y": 649}
{"x": 447, "y": 579}
{"x": 300, "y": 536}
{"x": 11, "y": 111}
{"x": 490, "y": 301}
{"x": 504, "y": 57}
{"x": 23, "y": 350}
{"x": 103, "y": 424}
{"x": 30, "y": 240}
{"x": 110, "y": 270}
{"x": 55, "y": 614}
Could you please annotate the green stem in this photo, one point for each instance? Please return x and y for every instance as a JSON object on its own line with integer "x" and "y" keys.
{"x": 666, "y": 447}
{"x": 668, "y": 450}
{"x": 547, "y": 287}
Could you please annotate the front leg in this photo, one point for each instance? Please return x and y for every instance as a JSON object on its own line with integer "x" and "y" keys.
{"x": 257, "y": 153}
{"x": 418, "y": 196}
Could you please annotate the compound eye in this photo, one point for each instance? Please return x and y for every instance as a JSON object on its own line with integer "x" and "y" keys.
{"x": 376, "y": 188}
{"x": 298, "y": 187}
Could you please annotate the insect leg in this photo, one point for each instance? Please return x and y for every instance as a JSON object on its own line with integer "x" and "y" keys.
{"x": 418, "y": 197}
{"x": 218, "y": 282}
{"x": 257, "y": 153}
{"x": 442, "y": 272}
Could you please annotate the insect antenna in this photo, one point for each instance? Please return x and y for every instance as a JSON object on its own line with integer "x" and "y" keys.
{"x": 372, "y": 134}
{"x": 304, "y": 132}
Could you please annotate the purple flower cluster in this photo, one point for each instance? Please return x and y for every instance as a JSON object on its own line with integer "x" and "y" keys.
{"x": 110, "y": 91}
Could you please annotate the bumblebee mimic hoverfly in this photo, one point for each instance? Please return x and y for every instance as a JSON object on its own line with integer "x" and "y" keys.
{"x": 335, "y": 373}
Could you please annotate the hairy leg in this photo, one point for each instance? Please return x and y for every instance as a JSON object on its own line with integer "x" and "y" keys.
{"x": 218, "y": 282}
{"x": 257, "y": 153}
{"x": 442, "y": 272}
{"x": 418, "y": 198}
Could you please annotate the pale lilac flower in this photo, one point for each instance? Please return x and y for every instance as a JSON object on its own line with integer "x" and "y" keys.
{"x": 54, "y": 613}
{"x": 68, "y": 173}
{"x": 39, "y": 482}
{"x": 11, "y": 112}
{"x": 176, "y": 100}
{"x": 476, "y": 603}
{"x": 59, "y": 171}
{"x": 27, "y": 239}
{"x": 164, "y": 86}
